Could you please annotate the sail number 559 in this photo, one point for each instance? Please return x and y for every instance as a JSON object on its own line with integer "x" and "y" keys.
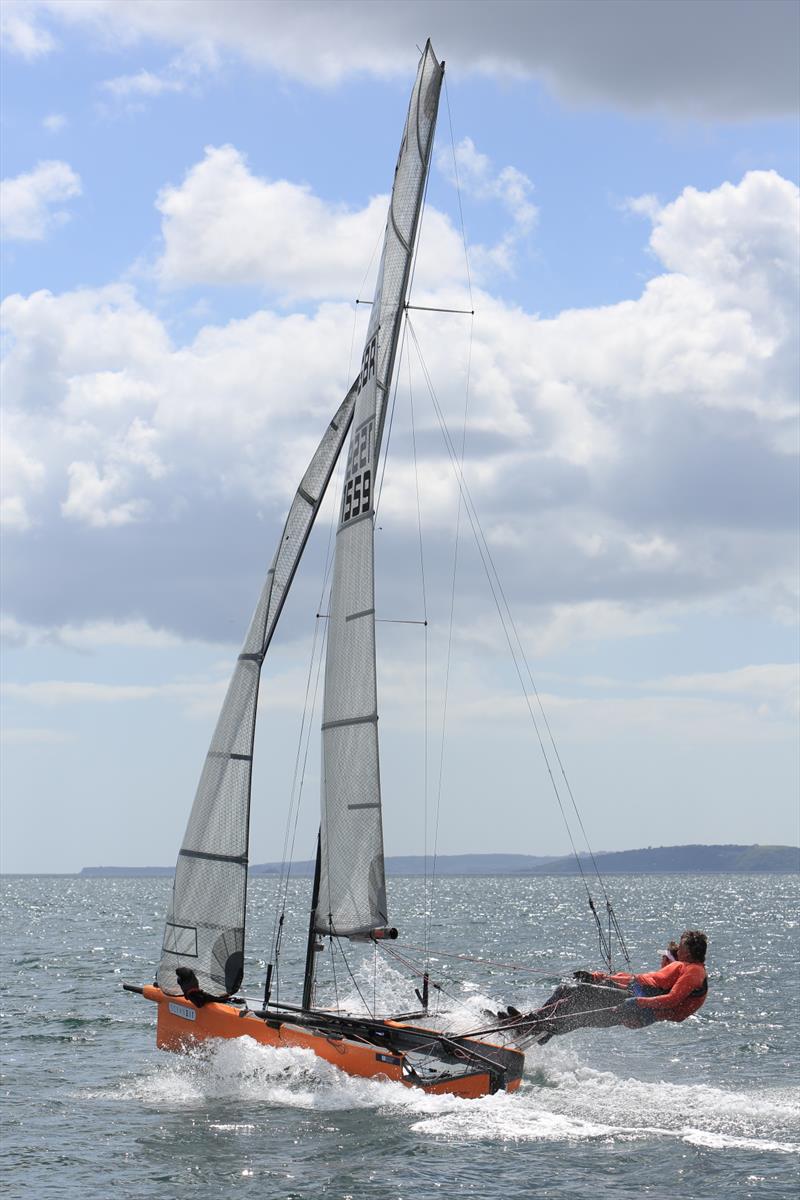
{"x": 357, "y": 498}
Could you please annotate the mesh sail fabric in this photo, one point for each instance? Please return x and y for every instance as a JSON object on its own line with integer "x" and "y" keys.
{"x": 352, "y": 892}
{"x": 206, "y": 917}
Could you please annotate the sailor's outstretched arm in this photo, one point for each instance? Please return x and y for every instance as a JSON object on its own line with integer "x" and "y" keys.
{"x": 620, "y": 978}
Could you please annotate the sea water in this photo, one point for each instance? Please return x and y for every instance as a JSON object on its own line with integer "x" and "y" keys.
{"x": 708, "y": 1108}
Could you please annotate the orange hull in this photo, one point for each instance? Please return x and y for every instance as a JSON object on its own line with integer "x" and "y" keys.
{"x": 180, "y": 1025}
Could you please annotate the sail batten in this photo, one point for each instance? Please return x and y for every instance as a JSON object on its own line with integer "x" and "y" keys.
{"x": 205, "y": 928}
{"x": 352, "y": 887}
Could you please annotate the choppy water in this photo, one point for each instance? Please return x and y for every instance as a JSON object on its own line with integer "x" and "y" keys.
{"x": 710, "y": 1108}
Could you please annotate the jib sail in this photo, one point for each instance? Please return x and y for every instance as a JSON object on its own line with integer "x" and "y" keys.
{"x": 205, "y": 926}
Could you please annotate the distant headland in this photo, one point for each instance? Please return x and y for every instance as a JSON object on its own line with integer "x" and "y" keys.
{"x": 654, "y": 860}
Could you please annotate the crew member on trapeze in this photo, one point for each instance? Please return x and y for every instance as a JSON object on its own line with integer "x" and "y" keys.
{"x": 599, "y": 1000}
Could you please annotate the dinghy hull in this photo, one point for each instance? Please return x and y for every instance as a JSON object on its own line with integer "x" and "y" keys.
{"x": 181, "y": 1025}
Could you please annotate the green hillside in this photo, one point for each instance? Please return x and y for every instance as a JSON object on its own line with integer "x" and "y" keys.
{"x": 653, "y": 860}
{"x": 690, "y": 859}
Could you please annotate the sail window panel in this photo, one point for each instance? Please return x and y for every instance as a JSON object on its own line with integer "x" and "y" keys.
{"x": 181, "y": 940}
{"x": 352, "y": 896}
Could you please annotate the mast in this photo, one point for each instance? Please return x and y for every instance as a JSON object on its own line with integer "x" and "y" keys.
{"x": 351, "y": 900}
{"x": 311, "y": 947}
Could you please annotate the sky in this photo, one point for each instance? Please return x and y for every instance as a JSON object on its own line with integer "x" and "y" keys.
{"x": 193, "y": 197}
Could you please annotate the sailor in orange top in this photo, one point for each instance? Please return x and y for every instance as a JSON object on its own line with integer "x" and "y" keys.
{"x": 672, "y": 993}
{"x": 599, "y": 1000}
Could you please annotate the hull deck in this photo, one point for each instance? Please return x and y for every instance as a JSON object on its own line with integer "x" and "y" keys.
{"x": 389, "y": 1049}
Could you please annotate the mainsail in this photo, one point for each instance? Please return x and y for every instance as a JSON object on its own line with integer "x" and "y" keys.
{"x": 351, "y": 898}
{"x": 206, "y": 918}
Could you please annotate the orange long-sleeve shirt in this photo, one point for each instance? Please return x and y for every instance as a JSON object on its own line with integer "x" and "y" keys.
{"x": 683, "y": 985}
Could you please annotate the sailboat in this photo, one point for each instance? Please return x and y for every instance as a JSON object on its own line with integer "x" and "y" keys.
{"x": 202, "y": 959}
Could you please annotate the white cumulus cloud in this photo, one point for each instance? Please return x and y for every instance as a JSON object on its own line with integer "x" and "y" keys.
{"x": 21, "y": 474}
{"x": 182, "y": 74}
{"x": 94, "y": 496}
{"x": 55, "y": 122}
{"x": 143, "y": 83}
{"x": 87, "y": 637}
{"x": 475, "y": 173}
{"x": 621, "y": 457}
{"x": 29, "y": 203}
{"x": 20, "y": 32}
{"x": 225, "y": 225}
{"x": 713, "y": 237}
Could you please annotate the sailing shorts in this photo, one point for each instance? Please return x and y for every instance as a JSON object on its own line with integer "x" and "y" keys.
{"x": 635, "y": 1015}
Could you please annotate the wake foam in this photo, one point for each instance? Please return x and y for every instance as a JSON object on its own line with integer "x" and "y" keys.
{"x": 560, "y": 1100}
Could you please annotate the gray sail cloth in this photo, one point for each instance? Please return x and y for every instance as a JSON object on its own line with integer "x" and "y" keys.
{"x": 352, "y": 891}
{"x": 206, "y": 918}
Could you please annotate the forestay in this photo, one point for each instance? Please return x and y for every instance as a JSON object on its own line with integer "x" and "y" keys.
{"x": 206, "y": 919}
{"x": 352, "y": 890}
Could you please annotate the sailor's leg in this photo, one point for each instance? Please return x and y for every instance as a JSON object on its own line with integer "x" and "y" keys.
{"x": 563, "y": 992}
{"x": 580, "y": 1006}
{"x": 637, "y": 1017}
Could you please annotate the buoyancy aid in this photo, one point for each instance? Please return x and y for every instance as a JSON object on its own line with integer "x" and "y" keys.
{"x": 673, "y": 993}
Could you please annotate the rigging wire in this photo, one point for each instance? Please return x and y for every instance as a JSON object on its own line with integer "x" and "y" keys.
{"x": 451, "y": 622}
{"x": 521, "y": 1022}
{"x": 306, "y": 728}
{"x": 550, "y": 973}
{"x": 388, "y": 439}
{"x": 425, "y": 618}
{"x": 331, "y": 940}
{"x": 311, "y": 725}
{"x": 283, "y": 885}
{"x": 612, "y": 918}
{"x": 414, "y": 973}
{"x": 329, "y": 559}
{"x": 413, "y": 969}
{"x": 366, "y": 273}
{"x": 429, "y": 914}
{"x": 409, "y": 286}
{"x": 340, "y": 948}
{"x": 458, "y": 192}
{"x": 306, "y": 725}
{"x": 517, "y": 653}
